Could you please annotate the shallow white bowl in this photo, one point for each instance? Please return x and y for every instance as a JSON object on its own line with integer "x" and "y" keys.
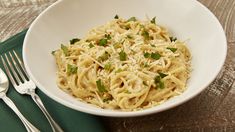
{"x": 66, "y": 19}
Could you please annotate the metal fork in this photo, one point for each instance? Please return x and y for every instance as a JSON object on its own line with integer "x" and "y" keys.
{"x": 24, "y": 85}
{"x": 4, "y": 85}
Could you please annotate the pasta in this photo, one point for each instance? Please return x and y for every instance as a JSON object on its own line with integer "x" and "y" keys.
{"x": 124, "y": 65}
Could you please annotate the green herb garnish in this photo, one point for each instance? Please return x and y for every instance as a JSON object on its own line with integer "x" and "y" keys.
{"x": 155, "y": 56}
{"x": 157, "y": 79}
{"x": 108, "y": 66}
{"x": 104, "y": 56}
{"x": 145, "y": 34}
{"x": 141, "y": 26}
{"x": 158, "y": 82}
{"x": 153, "y": 20}
{"x": 173, "y": 39}
{"x": 119, "y": 70}
{"x": 147, "y": 55}
{"x": 103, "y": 42}
{"x": 65, "y": 50}
{"x": 53, "y": 52}
{"x": 131, "y": 19}
{"x": 153, "y": 45}
{"x": 162, "y": 75}
{"x": 161, "y": 85}
{"x": 122, "y": 55}
{"x": 129, "y": 36}
{"x": 172, "y": 49}
{"x": 73, "y": 41}
{"x": 100, "y": 86}
{"x": 71, "y": 69}
{"x": 107, "y": 99}
{"x": 107, "y": 36}
{"x": 116, "y": 17}
{"x": 91, "y": 45}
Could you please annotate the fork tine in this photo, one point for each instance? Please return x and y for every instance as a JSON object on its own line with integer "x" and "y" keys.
{"x": 13, "y": 70}
{"x": 17, "y": 67}
{"x": 8, "y": 72}
{"x": 21, "y": 63}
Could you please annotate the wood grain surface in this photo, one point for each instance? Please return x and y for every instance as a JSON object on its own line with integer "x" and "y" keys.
{"x": 212, "y": 110}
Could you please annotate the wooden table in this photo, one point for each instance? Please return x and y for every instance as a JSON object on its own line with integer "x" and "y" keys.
{"x": 212, "y": 110}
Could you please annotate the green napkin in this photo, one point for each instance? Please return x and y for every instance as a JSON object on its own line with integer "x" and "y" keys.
{"x": 70, "y": 120}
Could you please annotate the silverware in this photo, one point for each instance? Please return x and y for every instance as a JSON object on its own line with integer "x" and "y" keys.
{"x": 4, "y": 84}
{"x": 24, "y": 85}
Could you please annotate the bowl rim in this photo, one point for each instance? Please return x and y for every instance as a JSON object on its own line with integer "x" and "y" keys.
{"x": 122, "y": 113}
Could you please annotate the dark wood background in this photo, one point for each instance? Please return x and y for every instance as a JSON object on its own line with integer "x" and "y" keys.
{"x": 212, "y": 110}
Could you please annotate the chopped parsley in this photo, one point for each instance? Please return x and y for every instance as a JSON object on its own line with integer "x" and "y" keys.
{"x": 153, "y": 21}
{"x": 100, "y": 86}
{"x": 173, "y": 39}
{"x": 91, "y": 45}
{"x": 172, "y": 49}
{"x": 71, "y": 69}
{"x": 104, "y": 56}
{"x": 118, "y": 70}
{"x": 158, "y": 80}
{"x": 53, "y": 52}
{"x": 116, "y": 17}
{"x": 153, "y": 45}
{"x": 141, "y": 26}
{"x": 145, "y": 34}
{"x": 65, "y": 50}
{"x": 162, "y": 75}
{"x": 155, "y": 56}
{"x": 107, "y": 36}
{"x": 73, "y": 41}
{"x": 131, "y": 19}
{"x": 107, "y": 99}
{"x": 129, "y": 36}
{"x": 108, "y": 66}
{"x": 161, "y": 85}
{"x": 147, "y": 55}
{"x": 103, "y": 42}
{"x": 122, "y": 55}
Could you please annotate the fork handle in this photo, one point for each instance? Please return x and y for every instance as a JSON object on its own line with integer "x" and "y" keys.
{"x": 38, "y": 101}
{"x": 29, "y": 127}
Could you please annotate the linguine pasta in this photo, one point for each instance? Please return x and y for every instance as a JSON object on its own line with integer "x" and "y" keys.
{"x": 124, "y": 65}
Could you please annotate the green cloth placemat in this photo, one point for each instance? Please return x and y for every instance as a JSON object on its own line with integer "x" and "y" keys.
{"x": 70, "y": 120}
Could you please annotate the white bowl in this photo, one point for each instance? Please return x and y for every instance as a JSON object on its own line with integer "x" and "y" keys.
{"x": 66, "y": 19}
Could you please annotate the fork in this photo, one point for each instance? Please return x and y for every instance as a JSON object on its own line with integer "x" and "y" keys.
{"x": 24, "y": 85}
{"x": 4, "y": 85}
